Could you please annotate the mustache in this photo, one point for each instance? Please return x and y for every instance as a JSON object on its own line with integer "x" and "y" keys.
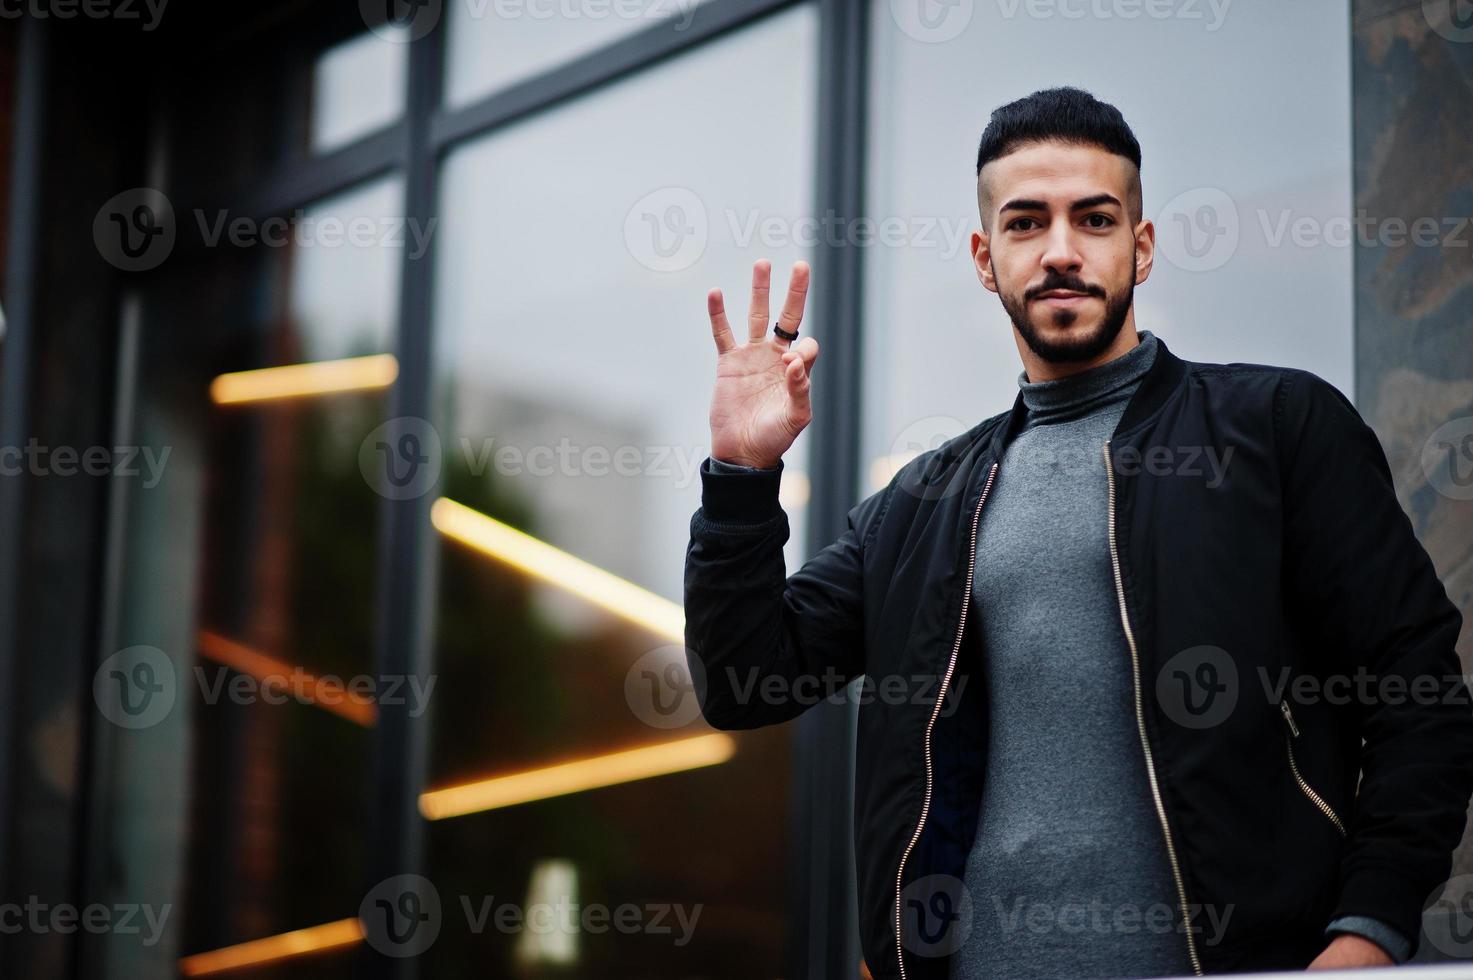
{"x": 1059, "y": 282}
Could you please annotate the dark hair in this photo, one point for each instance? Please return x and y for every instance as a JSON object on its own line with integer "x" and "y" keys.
{"x": 1066, "y": 114}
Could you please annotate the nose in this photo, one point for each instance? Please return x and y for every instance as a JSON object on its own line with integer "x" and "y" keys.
{"x": 1059, "y": 255}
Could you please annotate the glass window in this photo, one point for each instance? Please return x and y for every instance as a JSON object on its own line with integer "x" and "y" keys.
{"x": 575, "y": 364}
{"x": 358, "y": 87}
{"x": 1235, "y": 166}
{"x": 494, "y": 43}
{"x": 282, "y": 683}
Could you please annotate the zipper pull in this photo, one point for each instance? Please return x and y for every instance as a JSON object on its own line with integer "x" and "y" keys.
{"x": 1289, "y": 717}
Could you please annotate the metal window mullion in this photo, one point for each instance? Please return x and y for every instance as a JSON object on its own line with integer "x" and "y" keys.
{"x": 825, "y": 940}
{"x": 405, "y": 545}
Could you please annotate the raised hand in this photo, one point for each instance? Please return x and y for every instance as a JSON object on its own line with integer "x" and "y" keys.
{"x": 761, "y": 399}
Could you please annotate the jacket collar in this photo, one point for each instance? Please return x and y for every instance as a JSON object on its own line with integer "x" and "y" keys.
{"x": 1156, "y": 385}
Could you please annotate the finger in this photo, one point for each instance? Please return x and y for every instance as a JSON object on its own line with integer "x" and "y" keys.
{"x": 792, "y": 314}
{"x": 757, "y": 312}
{"x": 800, "y": 409}
{"x": 720, "y": 328}
{"x": 807, "y": 349}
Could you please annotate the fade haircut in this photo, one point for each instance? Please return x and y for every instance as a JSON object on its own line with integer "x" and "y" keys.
{"x": 1063, "y": 115}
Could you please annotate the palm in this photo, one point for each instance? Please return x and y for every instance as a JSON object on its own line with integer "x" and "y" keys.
{"x": 760, "y": 402}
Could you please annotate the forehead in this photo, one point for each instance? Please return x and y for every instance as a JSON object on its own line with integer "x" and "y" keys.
{"x": 1055, "y": 172}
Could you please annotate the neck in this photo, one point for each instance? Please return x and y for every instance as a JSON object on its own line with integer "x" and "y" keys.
{"x": 1039, "y": 369}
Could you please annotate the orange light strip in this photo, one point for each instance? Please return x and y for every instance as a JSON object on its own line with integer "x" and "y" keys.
{"x": 305, "y": 380}
{"x": 273, "y": 673}
{"x": 301, "y": 942}
{"x": 541, "y": 560}
{"x": 594, "y": 772}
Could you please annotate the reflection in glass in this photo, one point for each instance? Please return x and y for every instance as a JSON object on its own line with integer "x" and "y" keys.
{"x": 358, "y": 87}
{"x": 574, "y": 370}
{"x": 492, "y": 45}
{"x": 283, "y": 710}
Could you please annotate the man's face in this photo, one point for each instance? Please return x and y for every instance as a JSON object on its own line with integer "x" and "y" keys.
{"x": 1061, "y": 250}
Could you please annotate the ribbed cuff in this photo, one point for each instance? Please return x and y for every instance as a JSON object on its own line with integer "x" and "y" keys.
{"x": 1396, "y": 945}
{"x": 735, "y": 494}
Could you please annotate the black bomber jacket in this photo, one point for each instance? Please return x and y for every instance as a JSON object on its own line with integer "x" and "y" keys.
{"x": 1323, "y": 766}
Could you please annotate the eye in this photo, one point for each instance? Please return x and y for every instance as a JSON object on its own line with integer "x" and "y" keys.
{"x": 1013, "y": 225}
{"x": 1104, "y": 221}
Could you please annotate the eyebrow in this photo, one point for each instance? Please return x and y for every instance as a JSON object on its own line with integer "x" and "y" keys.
{"x": 1027, "y": 204}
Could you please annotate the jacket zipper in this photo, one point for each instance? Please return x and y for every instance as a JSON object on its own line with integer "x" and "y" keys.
{"x": 1314, "y": 797}
{"x": 1140, "y": 721}
{"x": 936, "y": 711}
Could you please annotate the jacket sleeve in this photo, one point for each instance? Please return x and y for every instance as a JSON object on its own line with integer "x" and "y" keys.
{"x": 764, "y": 646}
{"x": 1369, "y": 592}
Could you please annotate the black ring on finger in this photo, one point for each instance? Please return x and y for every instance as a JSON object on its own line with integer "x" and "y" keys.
{"x": 789, "y": 337}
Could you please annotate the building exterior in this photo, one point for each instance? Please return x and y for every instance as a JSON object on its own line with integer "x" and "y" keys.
{"x": 355, "y": 377}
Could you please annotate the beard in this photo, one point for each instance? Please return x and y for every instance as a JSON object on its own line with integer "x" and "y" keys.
{"x": 1075, "y": 349}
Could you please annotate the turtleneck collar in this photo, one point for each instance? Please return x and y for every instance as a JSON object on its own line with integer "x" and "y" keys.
{"x": 1088, "y": 391}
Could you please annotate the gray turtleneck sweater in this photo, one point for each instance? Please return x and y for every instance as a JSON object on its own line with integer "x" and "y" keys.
{"x": 1069, "y": 875}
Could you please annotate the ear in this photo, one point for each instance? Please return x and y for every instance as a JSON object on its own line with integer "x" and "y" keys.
{"x": 1145, "y": 250}
{"x": 982, "y": 259}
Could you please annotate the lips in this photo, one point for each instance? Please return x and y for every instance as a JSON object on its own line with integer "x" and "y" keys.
{"x": 1062, "y": 296}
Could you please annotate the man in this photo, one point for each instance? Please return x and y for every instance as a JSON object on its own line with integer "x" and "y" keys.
{"x": 1189, "y": 601}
